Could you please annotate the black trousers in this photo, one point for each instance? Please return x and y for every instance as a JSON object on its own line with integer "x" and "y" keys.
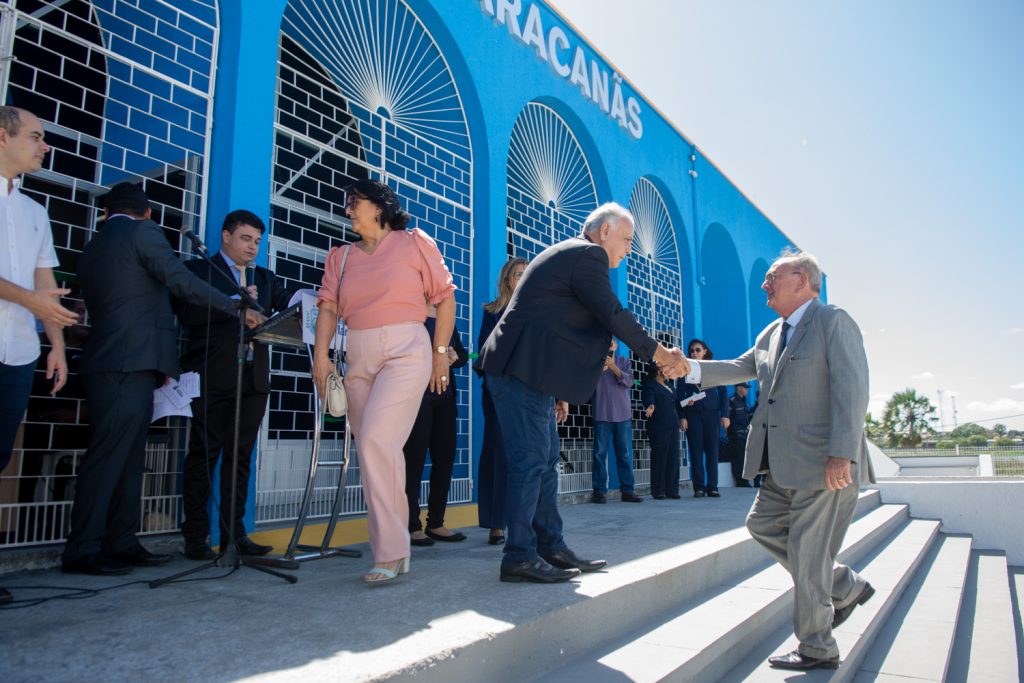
{"x": 213, "y": 425}
{"x": 664, "y": 461}
{"x": 434, "y": 429}
{"x": 108, "y": 491}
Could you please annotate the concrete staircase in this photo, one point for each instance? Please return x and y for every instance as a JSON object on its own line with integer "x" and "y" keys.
{"x": 941, "y": 612}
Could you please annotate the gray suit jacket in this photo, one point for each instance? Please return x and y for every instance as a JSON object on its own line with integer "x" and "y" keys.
{"x": 813, "y": 401}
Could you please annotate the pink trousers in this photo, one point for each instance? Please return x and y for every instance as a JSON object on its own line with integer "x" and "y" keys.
{"x": 387, "y": 372}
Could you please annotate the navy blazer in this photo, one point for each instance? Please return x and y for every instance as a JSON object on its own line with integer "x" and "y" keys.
{"x": 663, "y": 399}
{"x": 213, "y": 335}
{"x": 128, "y": 272}
{"x": 716, "y": 401}
{"x": 556, "y": 330}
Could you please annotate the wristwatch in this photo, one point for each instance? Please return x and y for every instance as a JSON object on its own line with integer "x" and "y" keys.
{"x": 442, "y": 349}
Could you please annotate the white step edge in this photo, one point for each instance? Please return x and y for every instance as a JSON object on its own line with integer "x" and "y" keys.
{"x": 889, "y": 571}
{"x": 622, "y": 598}
{"x": 916, "y": 640}
{"x": 705, "y": 637}
{"x": 987, "y": 645}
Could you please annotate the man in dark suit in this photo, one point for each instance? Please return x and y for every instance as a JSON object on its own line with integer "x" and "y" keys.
{"x": 212, "y": 352}
{"x": 807, "y": 438}
{"x": 551, "y": 343}
{"x": 127, "y": 271}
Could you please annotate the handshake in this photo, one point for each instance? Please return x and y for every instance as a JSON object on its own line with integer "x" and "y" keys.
{"x": 671, "y": 362}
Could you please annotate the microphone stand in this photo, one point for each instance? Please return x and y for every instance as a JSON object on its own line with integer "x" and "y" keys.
{"x": 229, "y": 555}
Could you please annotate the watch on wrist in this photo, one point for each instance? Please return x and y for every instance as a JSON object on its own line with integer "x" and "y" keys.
{"x": 442, "y": 349}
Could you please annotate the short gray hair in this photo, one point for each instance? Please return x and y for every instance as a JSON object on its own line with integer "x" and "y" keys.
{"x": 804, "y": 263}
{"x": 10, "y": 120}
{"x": 611, "y": 213}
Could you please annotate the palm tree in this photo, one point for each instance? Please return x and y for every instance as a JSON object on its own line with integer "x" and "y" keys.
{"x": 907, "y": 419}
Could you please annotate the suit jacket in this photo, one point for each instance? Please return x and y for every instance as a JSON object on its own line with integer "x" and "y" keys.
{"x": 213, "y": 335}
{"x": 664, "y": 402}
{"x": 813, "y": 399}
{"x": 128, "y": 272}
{"x": 555, "y": 332}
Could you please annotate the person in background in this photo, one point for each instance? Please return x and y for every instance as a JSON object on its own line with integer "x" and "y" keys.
{"x": 702, "y": 420}
{"x": 212, "y": 352}
{"x": 436, "y": 428}
{"x": 491, "y": 477}
{"x": 613, "y": 427}
{"x": 28, "y": 289}
{"x": 658, "y": 400}
{"x": 128, "y": 272}
{"x": 390, "y": 356}
{"x": 739, "y": 421}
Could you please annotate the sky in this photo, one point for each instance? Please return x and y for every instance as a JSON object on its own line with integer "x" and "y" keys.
{"x": 886, "y": 138}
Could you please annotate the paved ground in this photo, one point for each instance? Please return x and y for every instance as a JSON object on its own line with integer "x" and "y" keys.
{"x": 328, "y": 626}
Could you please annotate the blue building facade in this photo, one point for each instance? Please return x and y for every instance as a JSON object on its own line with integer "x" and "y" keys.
{"x": 497, "y": 123}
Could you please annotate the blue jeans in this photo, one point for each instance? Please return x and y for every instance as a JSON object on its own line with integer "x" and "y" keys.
{"x": 619, "y": 435}
{"x": 527, "y": 421}
{"x": 15, "y": 386}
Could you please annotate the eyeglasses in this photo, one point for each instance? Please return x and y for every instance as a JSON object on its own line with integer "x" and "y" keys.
{"x": 352, "y": 200}
{"x": 696, "y": 349}
{"x": 770, "y": 278}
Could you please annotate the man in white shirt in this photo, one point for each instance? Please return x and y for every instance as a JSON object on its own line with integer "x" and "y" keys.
{"x": 28, "y": 289}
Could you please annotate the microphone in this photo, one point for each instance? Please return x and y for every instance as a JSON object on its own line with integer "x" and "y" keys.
{"x": 197, "y": 243}
{"x": 250, "y": 274}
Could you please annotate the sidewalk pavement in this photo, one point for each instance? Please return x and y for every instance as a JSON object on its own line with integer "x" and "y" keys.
{"x": 329, "y": 626}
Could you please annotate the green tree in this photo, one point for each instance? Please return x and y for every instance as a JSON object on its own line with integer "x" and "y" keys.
{"x": 872, "y": 429}
{"x": 970, "y": 429}
{"x": 999, "y": 429}
{"x": 977, "y": 440}
{"x": 907, "y": 419}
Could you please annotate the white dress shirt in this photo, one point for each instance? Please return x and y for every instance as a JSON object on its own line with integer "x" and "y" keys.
{"x": 26, "y": 243}
{"x": 794, "y": 319}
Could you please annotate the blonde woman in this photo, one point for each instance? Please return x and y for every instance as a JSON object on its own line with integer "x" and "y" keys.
{"x": 491, "y": 477}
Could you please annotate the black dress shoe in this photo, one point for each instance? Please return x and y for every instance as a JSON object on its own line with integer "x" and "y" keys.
{"x": 421, "y": 542}
{"x": 713, "y": 493}
{"x": 676, "y": 496}
{"x": 843, "y": 613}
{"x": 659, "y": 496}
{"x": 535, "y": 571}
{"x": 451, "y": 538}
{"x": 5, "y": 596}
{"x": 199, "y": 550}
{"x": 496, "y": 539}
{"x": 247, "y": 546}
{"x": 798, "y": 662}
{"x": 698, "y": 494}
{"x": 630, "y": 497}
{"x": 566, "y": 559}
{"x": 95, "y": 565}
{"x": 599, "y": 498}
{"x": 140, "y": 557}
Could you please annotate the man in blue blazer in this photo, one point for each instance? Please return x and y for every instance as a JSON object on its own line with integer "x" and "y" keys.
{"x": 807, "y": 439}
{"x": 127, "y": 272}
{"x": 551, "y": 344}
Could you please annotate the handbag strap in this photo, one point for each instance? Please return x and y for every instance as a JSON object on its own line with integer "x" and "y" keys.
{"x": 337, "y": 302}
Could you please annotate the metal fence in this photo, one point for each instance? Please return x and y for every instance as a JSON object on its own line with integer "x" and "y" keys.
{"x": 1007, "y": 461}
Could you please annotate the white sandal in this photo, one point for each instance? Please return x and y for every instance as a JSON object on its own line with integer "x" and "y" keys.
{"x": 388, "y": 574}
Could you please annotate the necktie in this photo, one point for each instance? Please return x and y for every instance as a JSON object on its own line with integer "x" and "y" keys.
{"x": 241, "y": 275}
{"x": 786, "y": 327}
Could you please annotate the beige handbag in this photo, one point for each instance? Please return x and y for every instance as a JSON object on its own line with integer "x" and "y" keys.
{"x": 335, "y": 399}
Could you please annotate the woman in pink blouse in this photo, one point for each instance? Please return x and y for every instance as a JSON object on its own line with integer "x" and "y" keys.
{"x": 390, "y": 358}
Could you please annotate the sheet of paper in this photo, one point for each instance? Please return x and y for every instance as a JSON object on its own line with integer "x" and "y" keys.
{"x": 690, "y": 400}
{"x": 175, "y": 397}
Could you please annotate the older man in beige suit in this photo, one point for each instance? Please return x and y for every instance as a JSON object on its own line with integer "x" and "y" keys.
{"x": 807, "y": 438}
